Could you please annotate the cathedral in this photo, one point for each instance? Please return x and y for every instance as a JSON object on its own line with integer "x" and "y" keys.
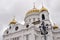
{"x": 37, "y": 26}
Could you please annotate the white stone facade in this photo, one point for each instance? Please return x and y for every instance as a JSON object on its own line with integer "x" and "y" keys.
{"x": 30, "y": 30}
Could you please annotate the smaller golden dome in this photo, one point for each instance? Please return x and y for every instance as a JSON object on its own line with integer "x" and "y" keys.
{"x": 13, "y": 21}
{"x": 55, "y": 26}
{"x": 43, "y": 9}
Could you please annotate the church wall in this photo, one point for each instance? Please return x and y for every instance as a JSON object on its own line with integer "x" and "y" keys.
{"x": 21, "y": 35}
{"x": 56, "y": 35}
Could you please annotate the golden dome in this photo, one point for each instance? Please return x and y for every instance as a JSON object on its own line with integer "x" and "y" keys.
{"x": 43, "y": 9}
{"x": 33, "y": 10}
{"x": 13, "y": 21}
{"x": 55, "y": 26}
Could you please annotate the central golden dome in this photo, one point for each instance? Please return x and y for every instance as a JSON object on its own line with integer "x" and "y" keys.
{"x": 36, "y": 10}
{"x": 33, "y": 10}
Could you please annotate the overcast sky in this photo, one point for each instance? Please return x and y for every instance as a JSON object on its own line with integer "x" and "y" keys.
{"x": 18, "y": 8}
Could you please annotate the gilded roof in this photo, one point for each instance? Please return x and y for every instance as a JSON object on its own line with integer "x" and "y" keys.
{"x": 55, "y": 26}
{"x": 43, "y": 9}
{"x": 13, "y": 21}
{"x": 33, "y": 10}
{"x": 36, "y": 10}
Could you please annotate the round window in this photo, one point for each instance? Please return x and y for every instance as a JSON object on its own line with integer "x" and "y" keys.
{"x": 16, "y": 28}
{"x": 27, "y": 26}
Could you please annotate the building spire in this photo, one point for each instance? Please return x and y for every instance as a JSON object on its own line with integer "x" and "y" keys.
{"x": 42, "y": 4}
{"x": 13, "y": 17}
{"x": 34, "y": 5}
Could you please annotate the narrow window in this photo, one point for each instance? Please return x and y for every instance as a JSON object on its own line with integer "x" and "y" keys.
{"x": 38, "y": 19}
{"x": 27, "y": 37}
{"x": 29, "y": 20}
{"x": 33, "y": 19}
{"x": 10, "y": 27}
{"x": 43, "y": 17}
{"x": 36, "y": 37}
{"x": 7, "y": 32}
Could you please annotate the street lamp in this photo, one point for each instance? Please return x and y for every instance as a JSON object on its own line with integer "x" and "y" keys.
{"x": 43, "y": 29}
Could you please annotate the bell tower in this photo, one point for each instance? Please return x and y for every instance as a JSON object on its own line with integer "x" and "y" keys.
{"x": 44, "y": 17}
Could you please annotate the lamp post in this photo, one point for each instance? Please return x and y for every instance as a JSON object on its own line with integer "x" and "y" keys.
{"x": 43, "y": 29}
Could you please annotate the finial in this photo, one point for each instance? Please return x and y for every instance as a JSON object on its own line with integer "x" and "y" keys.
{"x": 13, "y": 17}
{"x": 54, "y": 23}
{"x": 42, "y": 4}
{"x": 34, "y": 5}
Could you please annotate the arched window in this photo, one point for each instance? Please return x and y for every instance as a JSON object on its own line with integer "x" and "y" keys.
{"x": 43, "y": 17}
{"x": 16, "y": 28}
{"x": 10, "y": 27}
